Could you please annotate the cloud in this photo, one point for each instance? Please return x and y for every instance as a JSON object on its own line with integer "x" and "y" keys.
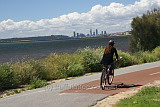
{"x": 112, "y": 18}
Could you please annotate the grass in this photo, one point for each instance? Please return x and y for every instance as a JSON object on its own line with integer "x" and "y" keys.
{"x": 37, "y": 83}
{"x": 147, "y": 97}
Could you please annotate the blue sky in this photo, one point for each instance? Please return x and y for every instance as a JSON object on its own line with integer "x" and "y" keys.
{"x": 28, "y": 18}
{"x": 34, "y": 10}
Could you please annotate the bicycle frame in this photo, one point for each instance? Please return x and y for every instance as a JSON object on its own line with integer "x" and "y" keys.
{"x": 109, "y": 67}
{"x": 107, "y": 75}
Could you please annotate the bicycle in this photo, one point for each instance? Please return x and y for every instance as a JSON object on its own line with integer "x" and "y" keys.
{"x": 107, "y": 74}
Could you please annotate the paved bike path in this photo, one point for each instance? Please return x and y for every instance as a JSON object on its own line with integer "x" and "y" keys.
{"x": 54, "y": 95}
{"x": 120, "y": 83}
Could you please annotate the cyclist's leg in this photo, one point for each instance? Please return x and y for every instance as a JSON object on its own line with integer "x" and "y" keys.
{"x": 105, "y": 66}
{"x": 112, "y": 68}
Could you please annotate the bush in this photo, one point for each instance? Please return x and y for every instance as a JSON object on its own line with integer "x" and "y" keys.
{"x": 91, "y": 59}
{"x": 127, "y": 59}
{"x": 53, "y": 63}
{"x": 7, "y": 77}
{"x": 37, "y": 83}
{"x": 145, "y": 57}
{"x": 156, "y": 52}
{"x": 75, "y": 70}
{"x": 27, "y": 69}
{"x": 58, "y": 65}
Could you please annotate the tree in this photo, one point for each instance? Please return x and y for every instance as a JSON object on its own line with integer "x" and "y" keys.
{"x": 145, "y": 31}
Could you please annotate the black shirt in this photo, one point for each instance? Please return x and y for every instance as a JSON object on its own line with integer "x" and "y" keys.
{"x": 108, "y": 58}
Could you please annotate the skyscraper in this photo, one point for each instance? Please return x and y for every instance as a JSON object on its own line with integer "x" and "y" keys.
{"x": 102, "y": 33}
{"x": 74, "y": 34}
{"x": 96, "y": 32}
{"x": 90, "y": 32}
{"x": 77, "y": 34}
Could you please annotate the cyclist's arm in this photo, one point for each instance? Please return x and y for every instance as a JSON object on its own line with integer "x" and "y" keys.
{"x": 116, "y": 53}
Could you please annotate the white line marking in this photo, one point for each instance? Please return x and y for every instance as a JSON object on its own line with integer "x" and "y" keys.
{"x": 62, "y": 94}
{"x": 154, "y": 73}
{"x": 96, "y": 87}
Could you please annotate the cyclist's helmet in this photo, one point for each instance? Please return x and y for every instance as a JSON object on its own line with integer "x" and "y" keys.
{"x": 111, "y": 42}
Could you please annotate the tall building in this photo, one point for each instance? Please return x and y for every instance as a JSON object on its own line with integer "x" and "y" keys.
{"x": 96, "y": 32}
{"x": 90, "y": 32}
{"x": 74, "y": 34}
{"x": 102, "y": 33}
{"x": 105, "y": 32}
{"x": 77, "y": 34}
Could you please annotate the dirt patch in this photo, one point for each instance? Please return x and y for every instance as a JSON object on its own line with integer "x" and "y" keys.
{"x": 112, "y": 100}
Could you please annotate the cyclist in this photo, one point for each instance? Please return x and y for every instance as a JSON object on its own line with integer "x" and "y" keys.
{"x": 109, "y": 52}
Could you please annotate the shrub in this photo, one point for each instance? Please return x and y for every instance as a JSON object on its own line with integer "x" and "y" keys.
{"x": 59, "y": 65}
{"x": 37, "y": 83}
{"x": 53, "y": 64}
{"x": 156, "y": 52}
{"x": 91, "y": 59}
{"x": 40, "y": 70}
{"x": 7, "y": 76}
{"x": 26, "y": 69}
{"x": 127, "y": 60}
{"x": 145, "y": 57}
{"x": 75, "y": 70}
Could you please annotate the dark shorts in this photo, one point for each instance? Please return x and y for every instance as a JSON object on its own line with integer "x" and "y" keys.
{"x": 112, "y": 65}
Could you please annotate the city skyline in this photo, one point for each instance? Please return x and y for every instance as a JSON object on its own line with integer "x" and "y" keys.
{"x": 91, "y": 33}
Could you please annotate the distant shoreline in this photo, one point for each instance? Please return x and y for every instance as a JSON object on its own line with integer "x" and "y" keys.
{"x": 30, "y": 41}
{"x": 11, "y": 52}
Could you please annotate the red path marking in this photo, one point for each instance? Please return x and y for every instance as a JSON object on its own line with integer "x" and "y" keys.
{"x": 130, "y": 80}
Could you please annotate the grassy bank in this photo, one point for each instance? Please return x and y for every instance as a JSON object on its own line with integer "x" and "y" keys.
{"x": 147, "y": 97}
{"x": 36, "y": 73}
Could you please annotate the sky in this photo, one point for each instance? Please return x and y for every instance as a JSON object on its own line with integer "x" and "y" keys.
{"x": 28, "y": 18}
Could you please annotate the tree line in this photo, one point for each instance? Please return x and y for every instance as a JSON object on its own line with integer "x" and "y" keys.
{"x": 145, "y": 31}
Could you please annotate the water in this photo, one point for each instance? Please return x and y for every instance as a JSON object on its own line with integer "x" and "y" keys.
{"x": 38, "y": 50}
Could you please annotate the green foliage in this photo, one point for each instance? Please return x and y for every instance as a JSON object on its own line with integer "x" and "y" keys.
{"x": 147, "y": 97}
{"x": 17, "y": 91}
{"x": 75, "y": 70}
{"x": 37, "y": 83}
{"x": 156, "y": 52}
{"x": 7, "y": 76}
{"x": 127, "y": 60}
{"x": 145, "y": 57}
{"x": 59, "y": 65}
{"x": 91, "y": 59}
{"x": 145, "y": 32}
{"x": 27, "y": 69}
{"x": 149, "y": 90}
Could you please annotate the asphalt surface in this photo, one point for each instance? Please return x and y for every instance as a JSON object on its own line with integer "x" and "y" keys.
{"x": 53, "y": 95}
{"x": 121, "y": 83}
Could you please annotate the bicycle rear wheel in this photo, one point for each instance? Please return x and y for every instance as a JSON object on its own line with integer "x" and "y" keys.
{"x": 103, "y": 80}
{"x": 110, "y": 77}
